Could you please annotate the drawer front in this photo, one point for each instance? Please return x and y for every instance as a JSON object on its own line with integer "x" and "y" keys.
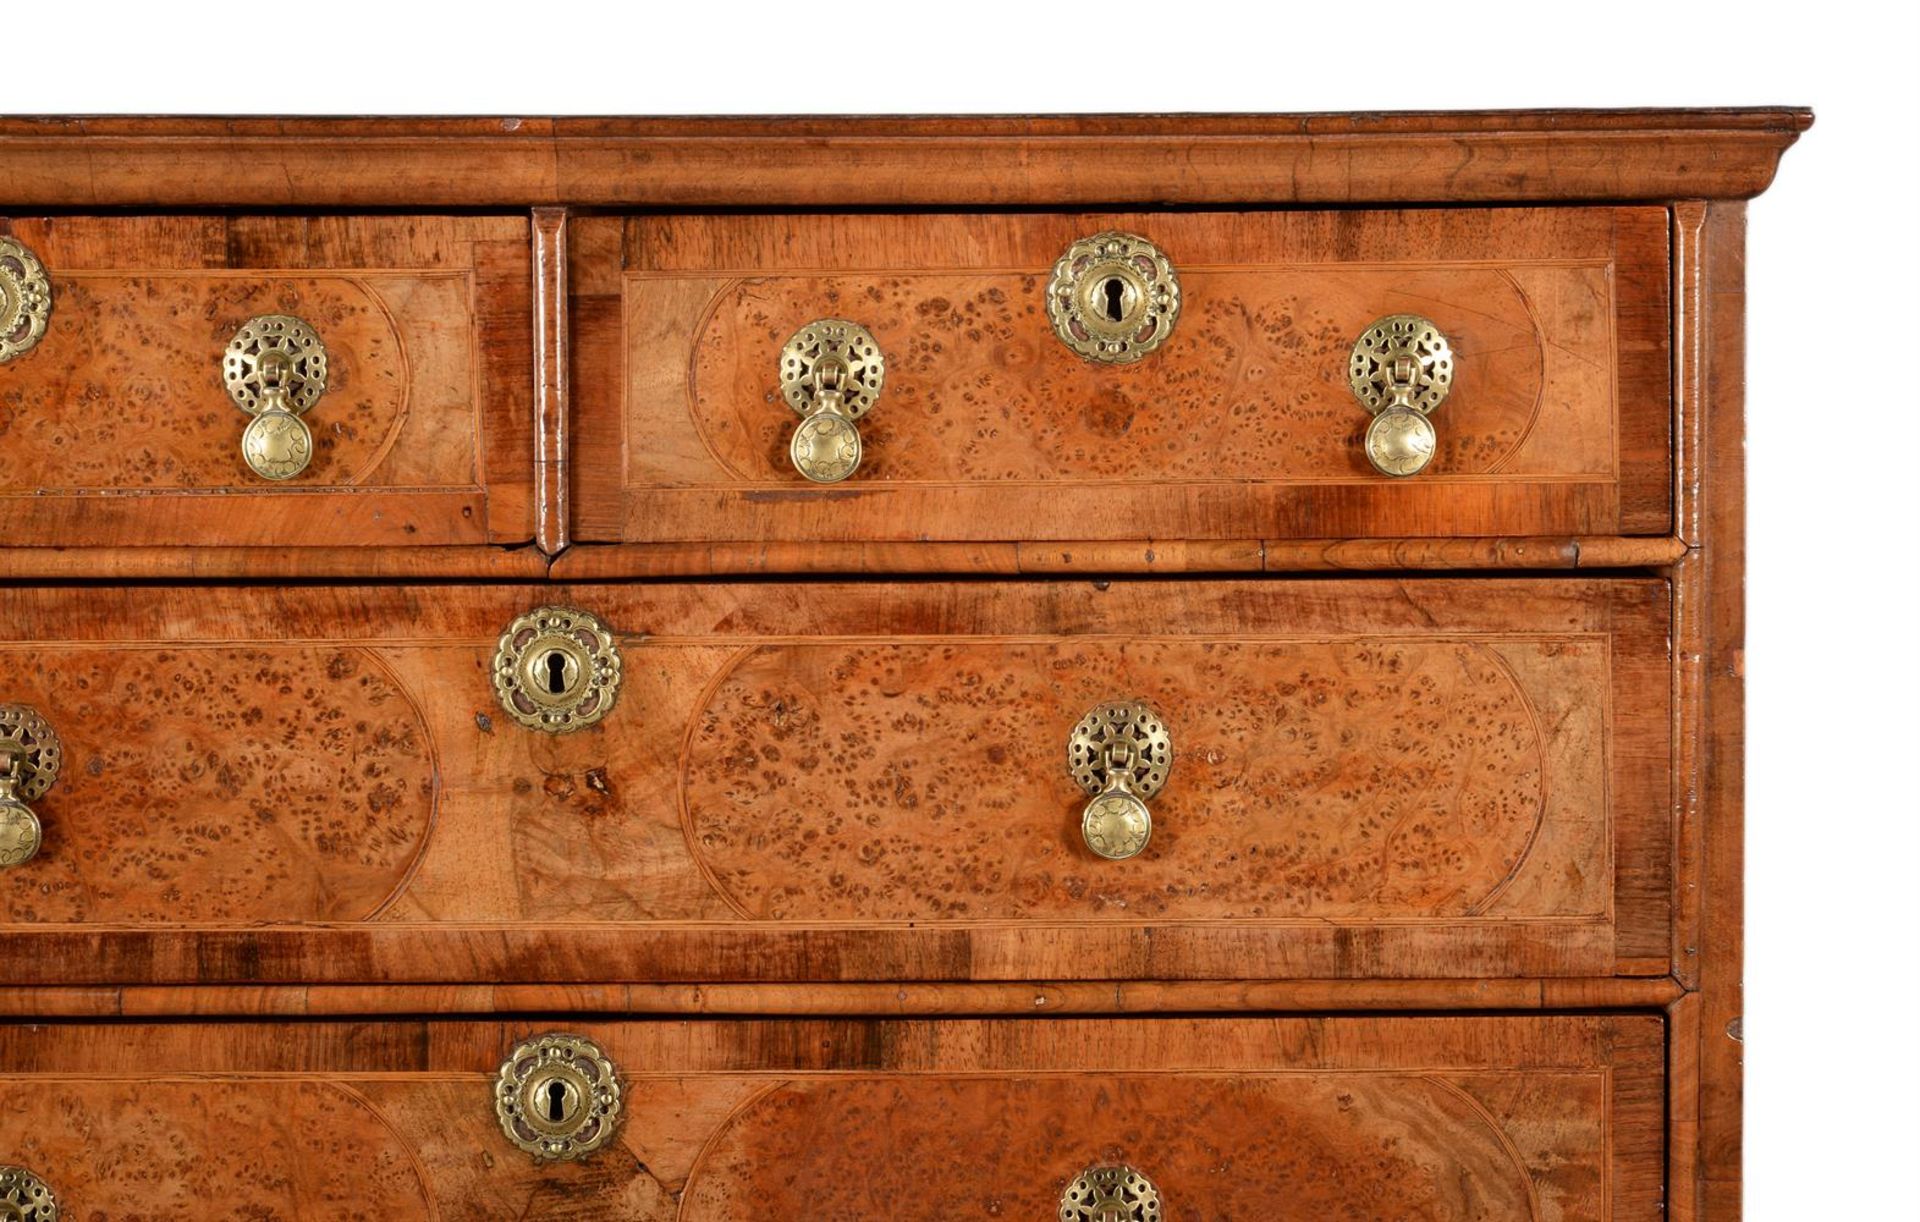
{"x": 118, "y": 428}
{"x": 1241, "y": 424}
{"x": 848, "y": 781}
{"x": 1261, "y": 1120}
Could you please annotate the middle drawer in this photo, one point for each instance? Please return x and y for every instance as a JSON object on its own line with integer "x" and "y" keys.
{"x": 840, "y": 781}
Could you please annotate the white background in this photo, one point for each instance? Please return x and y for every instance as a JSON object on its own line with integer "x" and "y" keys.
{"x": 1834, "y": 843}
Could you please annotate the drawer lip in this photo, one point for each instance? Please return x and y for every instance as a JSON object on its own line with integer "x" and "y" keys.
{"x": 1593, "y": 155}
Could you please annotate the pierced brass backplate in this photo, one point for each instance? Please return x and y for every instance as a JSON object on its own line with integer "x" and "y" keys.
{"x": 558, "y": 1097}
{"x": 29, "y": 764}
{"x": 832, "y": 372}
{"x": 1120, "y": 753}
{"x": 1400, "y": 370}
{"x": 557, "y": 669}
{"x": 1114, "y": 297}
{"x": 276, "y": 369}
{"x": 1110, "y": 1194}
{"x": 26, "y": 299}
{"x": 25, "y": 1197}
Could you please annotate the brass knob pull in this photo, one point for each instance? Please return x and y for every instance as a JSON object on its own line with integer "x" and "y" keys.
{"x": 1401, "y": 369}
{"x": 1114, "y": 297}
{"x": 557, "y": 1097}
{"x": 1120, "y": 753}
{"x": 29, "y": 764}
{"x": 831, "y": 372}
{"x": 1110, "y": 1194}
{"x": 557, "y": 669}
{"x": 26, "y": 299}
{"x": 276, "y": 369}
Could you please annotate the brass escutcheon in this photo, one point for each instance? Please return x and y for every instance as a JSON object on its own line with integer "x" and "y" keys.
{"x": 1400, "y": 370}
{"x": 275, "y": 370}
{"x": 26, "y": 299}
{"x": 1114, "y": 297}
{"x": 25, "y": 1197}
{"x": 831, "y": 372}
{"x": 29, "y": 764}
{"x": 558, "y": 1097}
{"x": 1120, "y": 754}
{"x": 1110, "y": 1194}
{"x": 557, "y": 669}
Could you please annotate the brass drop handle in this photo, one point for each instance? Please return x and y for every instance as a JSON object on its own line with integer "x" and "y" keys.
{"x": 1110, "y": 1194}
{"x": 25, "y": 1197}
{"x": 832, "y": 372}
{"x": 557, "y": 1097}
{"x": 1120, "y": 753}
{"x": 26, "y": 299}
{"x": 1400, "y": 370}
{"x": 276, "y": 370}
{"x": 29, "y": 764}
{"x": 1113, "y": 298}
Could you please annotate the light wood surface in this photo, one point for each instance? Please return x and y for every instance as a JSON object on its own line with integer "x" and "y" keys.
{"x": 119, "y": 432}
{"x": 825, "y": 161}
{"x": 1242, "y": 425}
{"x": 1547, "y": 1117}
{"x": 848, "y": 781}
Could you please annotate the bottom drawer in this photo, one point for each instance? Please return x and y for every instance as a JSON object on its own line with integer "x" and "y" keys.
{"x": 1267, "y": 1119}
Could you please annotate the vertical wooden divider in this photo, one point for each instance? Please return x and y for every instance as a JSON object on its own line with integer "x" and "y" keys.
{"x": 550, "y": 378}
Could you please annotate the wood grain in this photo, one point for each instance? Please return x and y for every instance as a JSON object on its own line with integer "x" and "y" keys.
{"x": 119, "y": 432}
{"x": 885, "y": 999}
{"x": 550, "y": 377}
{"x": 827, "y": 161}
{"x": 223, "y": 783}
{"x": 1083, "y": 557}
{"x": 1241, "y": 426}
{"x": 1278, "y": 1118}
{"x": 862, "y": 782}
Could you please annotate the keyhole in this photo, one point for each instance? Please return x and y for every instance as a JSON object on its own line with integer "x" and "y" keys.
{"x": 557, "y": 673}
{"x": 1116, "y": 291}
{"x": 556, "y": 1101}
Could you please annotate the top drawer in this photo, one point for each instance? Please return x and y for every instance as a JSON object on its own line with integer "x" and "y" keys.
{"x": 1240, "y": 422}
{"x": 120, "y": 425}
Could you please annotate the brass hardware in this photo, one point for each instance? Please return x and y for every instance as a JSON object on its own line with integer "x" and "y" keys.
{"x": 1120, "y": 753}
{"x": 276, "y": 369}
{"x": 1110, "y": 1194}
{"x": 1114, "y": 297}
{"x": 831, "y": 372}
{"x": 25, "y": 1197}
{"x": 557, "y": 669}
{"x": 26, "y": 299}
{"x": 29, "y": 763}
{"x": 1401, "y": 369}
{"x": 557, "y": 1097}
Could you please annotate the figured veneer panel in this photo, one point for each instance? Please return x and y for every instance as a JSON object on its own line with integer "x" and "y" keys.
{"x": 1241, "y": 426}
{"x": 1367, "y": 777}
{"x": 1535, "y": 1118}
{"x": 116, "y": 427}
{"x": 1436, "y": 778}
{"x": 268, "y": 783}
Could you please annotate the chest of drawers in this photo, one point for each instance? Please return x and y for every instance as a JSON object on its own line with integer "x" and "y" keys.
{"x": 1100, "y": 669}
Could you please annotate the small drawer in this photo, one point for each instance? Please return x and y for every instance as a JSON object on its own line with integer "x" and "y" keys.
{"x": 1015, "y": 781}
{"x": 976, "y": 397}
{"x": 1253, "y": 1120}
{"x": 240, "y": 381}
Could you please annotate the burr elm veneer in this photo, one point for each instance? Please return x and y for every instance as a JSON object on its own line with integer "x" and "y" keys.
{"x": 1090, "y": 668}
